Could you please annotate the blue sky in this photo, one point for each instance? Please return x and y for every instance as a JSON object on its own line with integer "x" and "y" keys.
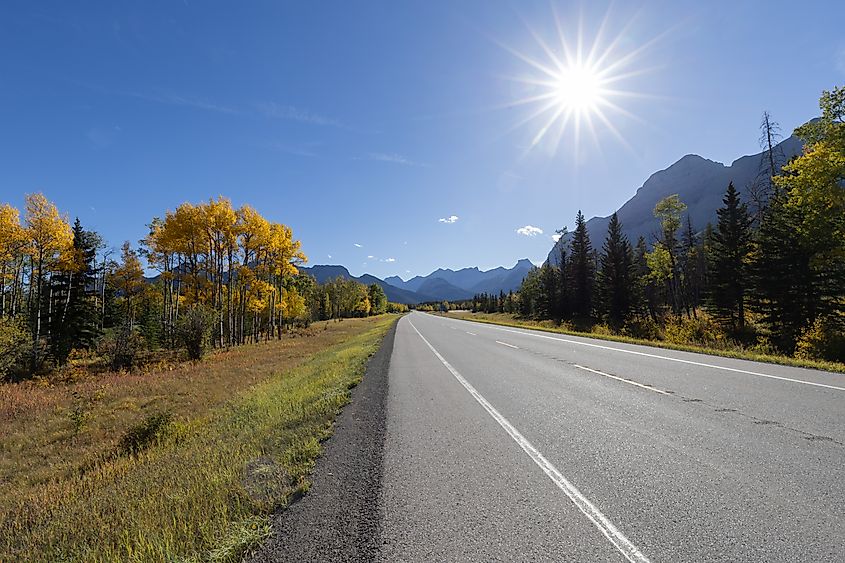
{"x": 362, "y": 124}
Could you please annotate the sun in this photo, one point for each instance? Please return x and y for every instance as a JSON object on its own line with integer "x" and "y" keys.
{"x": 578, "y": 86}
{"x": 578, "y": 89}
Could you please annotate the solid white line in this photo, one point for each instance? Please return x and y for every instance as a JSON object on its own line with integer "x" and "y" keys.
{"x": 611, "y": 532}
{"x": 667, "y": 358}
{"x": 622, "y": 379}
{"x": 506, "y": 344}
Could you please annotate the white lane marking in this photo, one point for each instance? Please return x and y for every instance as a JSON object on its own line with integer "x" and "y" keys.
{"x": 471, "y": 333}
{"x": 622, "y": 379}
{"x": 611, "y": 532}
{"x": 679, "y": 360}
{"x": 506, "y": 344}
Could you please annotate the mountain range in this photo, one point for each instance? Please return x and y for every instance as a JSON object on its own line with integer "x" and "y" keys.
{"x": 441, "y": 284}
{"x": 700, "y": 183}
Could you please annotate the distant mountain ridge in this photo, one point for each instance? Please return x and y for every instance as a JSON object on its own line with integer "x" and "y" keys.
{"x": 700, "y": 183}
{"x": 441, "y": 284}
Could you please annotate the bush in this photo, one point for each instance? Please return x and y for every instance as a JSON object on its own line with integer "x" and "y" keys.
{"x": 644, "y": 328}
{"x": 698, "y": 331}
{"x": 14, "y": 345}
{"x": 192, "y": 330}
{"x": 141, "y": 436}
{"x": 824, "y": 340}
{"x": 121, "y": 348}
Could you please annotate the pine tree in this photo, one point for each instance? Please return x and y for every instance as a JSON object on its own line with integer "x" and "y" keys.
{"x": 616, "y": 275}
{"x": 582, "y": 270}
{"x": 729, "y": 246}
{"x": 783, "y": 278}
{"x": 645, "y": 290}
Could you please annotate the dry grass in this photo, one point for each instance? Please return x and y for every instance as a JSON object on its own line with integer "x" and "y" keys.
{"x": 727, "y": 352}
{"x": 241, "y": 431}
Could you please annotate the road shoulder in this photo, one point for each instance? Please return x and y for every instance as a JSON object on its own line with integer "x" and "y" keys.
{"x": 338, "y": 520}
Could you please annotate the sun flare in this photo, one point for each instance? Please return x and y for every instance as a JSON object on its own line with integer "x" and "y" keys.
{"x": 576, "y": 87}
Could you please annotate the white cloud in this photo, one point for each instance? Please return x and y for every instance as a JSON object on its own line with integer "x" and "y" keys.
{"x": 529, "y": 231}
{"x": 329, "y": 255}
{"x": 356, "y": 245}
{"x": 389, "y": 260}
{"x": 370, "y": 257}
{"x": 450, "y": 219}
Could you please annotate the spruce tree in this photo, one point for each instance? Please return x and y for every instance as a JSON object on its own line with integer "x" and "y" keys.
{"x": 582, "y": 270}
{"x": 729, "y": 246}
{"x": 616, "y": 275}
{"x": 75, "y": 318}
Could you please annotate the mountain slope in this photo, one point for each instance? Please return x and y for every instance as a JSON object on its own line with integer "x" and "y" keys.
{"x": 324, "y": 273}
{"x": 699, "y": 182}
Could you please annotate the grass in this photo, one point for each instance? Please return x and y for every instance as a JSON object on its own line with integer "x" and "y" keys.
{"x": 183, "y": 465}
{"x": 734, "y": 352}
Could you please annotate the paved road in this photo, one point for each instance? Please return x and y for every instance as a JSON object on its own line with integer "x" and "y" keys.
{"x": 506, "y": 444}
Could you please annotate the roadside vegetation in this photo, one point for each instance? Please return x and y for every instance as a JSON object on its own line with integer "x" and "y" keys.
{"x": 181, "y": 464}
{"x": 767, "y": 282}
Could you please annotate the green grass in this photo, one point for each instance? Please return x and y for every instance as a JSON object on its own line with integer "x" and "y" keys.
{"x": 737, "y": 352}
{"x": 199, "y": 489}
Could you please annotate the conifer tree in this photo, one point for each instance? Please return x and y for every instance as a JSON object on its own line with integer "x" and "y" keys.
{"x": 729, "y": 246}
{"x": 616, "y": 275}
{"x": 582, "y": 270}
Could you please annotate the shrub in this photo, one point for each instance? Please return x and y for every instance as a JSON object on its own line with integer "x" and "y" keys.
{"x": 141, "y": 436}
{"x": 121, "y": 348}
{"x": 192, "y": 330}
{"x": 699, "y": 331}
{"x": 14, "y": 345}
{"x": 824, "y": 340}
{"x": 645, "y": 328}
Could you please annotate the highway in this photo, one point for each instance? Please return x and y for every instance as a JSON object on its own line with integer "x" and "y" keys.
{"x": 506, "y": 444}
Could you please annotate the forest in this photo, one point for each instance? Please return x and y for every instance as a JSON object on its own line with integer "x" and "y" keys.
{"x": 224, "y": 277}
{"x": 769, "y": 276}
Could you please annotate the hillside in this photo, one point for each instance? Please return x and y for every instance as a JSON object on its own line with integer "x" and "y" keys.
{"x": 699, "y": 182}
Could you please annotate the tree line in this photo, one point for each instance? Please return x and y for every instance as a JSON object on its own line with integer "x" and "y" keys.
{"x": 225, "y": 277}
{"x": 770, "y": 275}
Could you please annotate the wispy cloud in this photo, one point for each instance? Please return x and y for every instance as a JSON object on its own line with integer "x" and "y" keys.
{"x": 329, "y": 255}
{"x": 450, "y": 219}
{"x": 389, "y": 260}
{"x": 370, "y": 257}
{"x": 196, "y": 103}
{"x": 356, "y": 245}
{"x": 292, "y": 149}
{"x": 529, "y": 231}
{"x": 291, "y": 113}
{"x": 391, "y": 157}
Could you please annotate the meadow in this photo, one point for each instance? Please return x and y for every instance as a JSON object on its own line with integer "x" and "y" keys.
{"x": 184, "y": 463}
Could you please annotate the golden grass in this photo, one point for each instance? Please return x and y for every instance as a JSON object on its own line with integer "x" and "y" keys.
{"x": 735, "y": 352}
{"x": 245, "y": 433}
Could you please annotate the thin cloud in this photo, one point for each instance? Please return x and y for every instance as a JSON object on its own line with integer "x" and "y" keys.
{"x": 370, "y": 257}
{"x": 356, "y": 245}
{"x": 529, "y": 231}
{"x": 292, "y": 113}
{"x": 391, "y": 157}
{"x": 450, "y": 219}
{"x": 292, "y": 150}
{"x": 389, "y": 260}
{"x": 183, "y": 101}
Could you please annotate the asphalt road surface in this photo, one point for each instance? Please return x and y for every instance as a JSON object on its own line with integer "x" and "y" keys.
{"x": 506, "y": 444}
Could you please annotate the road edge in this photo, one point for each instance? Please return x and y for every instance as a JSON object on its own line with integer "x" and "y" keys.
{"x": 339, "y": 518}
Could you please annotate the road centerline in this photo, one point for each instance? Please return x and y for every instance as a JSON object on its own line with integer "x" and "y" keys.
{"x": 607, "y": 528}
{"x": 506, "y": 344}
{"x": 622, "y": 379}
